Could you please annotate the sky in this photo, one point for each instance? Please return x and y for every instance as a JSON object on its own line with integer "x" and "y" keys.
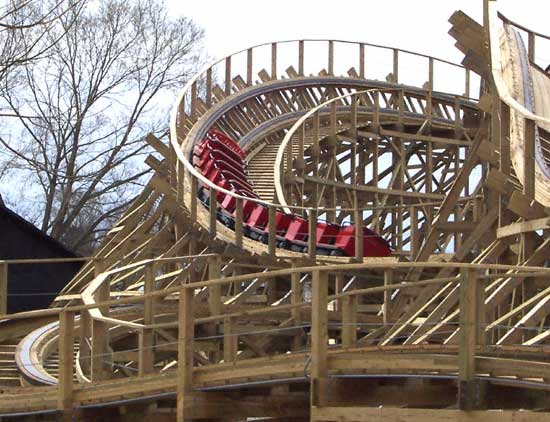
{"x": 417, "y": 25}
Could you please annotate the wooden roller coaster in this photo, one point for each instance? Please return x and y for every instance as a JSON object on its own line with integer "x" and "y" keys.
{"x": 318, "y": 246}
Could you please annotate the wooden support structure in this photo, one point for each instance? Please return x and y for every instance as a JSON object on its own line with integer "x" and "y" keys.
{"x": 456, "y": 186}
{"x": 66, "y": 364}
{"x": 319, "y": 337}
{"x": 185, "y": 353}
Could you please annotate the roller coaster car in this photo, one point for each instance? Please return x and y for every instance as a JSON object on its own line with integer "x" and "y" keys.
{"x": 220, "y": 160}
{"x": 326, "y": 233}
{"x": 297, "y": 229}
{"x": 373, "y": 244}
{"x": 258, "y": 217}
{"x": 229, "y": 204}
{"x": 211, "y": 157}
{"x": 216, "y": 135}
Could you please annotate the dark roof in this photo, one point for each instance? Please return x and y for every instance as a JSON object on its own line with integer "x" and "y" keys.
{"x": 33, "y": 230}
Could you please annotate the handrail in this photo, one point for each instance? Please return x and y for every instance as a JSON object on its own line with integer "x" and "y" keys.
{"x": 375, "y": 263}
{"x": 88, "y": 294}
{"x": 523, "y": 28}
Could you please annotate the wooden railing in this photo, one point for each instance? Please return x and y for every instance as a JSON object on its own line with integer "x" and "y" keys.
{"x": 336, "y": 316}
{"x": 325, "y": 315}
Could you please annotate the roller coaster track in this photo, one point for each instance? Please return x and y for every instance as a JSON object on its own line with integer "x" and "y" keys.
{"x": 201, "y": 304}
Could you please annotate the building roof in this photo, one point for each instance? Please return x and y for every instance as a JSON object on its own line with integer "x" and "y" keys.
{"x": 32, "y": 230}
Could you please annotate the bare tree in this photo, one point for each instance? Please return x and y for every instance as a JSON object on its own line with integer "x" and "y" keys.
{"x": 23, "y": 23}
{"x": 83, "y": 110}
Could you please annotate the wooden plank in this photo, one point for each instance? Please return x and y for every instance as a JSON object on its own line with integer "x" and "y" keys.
{"x": 186, "y": 329}
{"x": 389, "y": 414}
{"x": 349, "y": 321}
{"x": 319, "y": 335}
{"x": 66, "y": 364}
{"x": 521, "y": 205}
{"x": 524, "y": 227}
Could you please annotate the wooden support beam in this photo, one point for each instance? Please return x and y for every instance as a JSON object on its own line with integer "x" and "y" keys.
{"x": 227, "y": 87}
{"x": 272, "y": 231}
{"x": 296, "y": 297}
{"x": 349, "y": 321}
{"x": 213, "y": 213}
{"x": 358, "y": 221}
{"x": 524, "y": 227}
{"x": 468, "y": 337}
{"x": 84, "y": 342}
{"x": 146, "y": 336}
{"x": 319, "y": 336}
{"x": 391, "y": 414}
{"x": 312, "y": 234}
{"x": 239, "y": 222}
{"x": 386, "y": 307}
{"x": 214, "y": 292}
{"x": 230, "y": 340}
{"x": 186, "y": 327}
{"x": 525, "y": 207}
{"x": 100, "y": 330}
{"x": 66, "y": 365}
{"x": 529, "y": 159}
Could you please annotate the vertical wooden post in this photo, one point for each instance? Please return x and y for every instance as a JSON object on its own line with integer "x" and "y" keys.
{"x": 274, "y": 60}
{"x": 331, "y": 57}
{"x": 146, "y": 336}
{"x": 66, "y": 364}
{"x": 296, "y": 297}
{"x": 230, "y": 340}
{"x": 194, "y": 193}
{"x": 213, "y": 208}
{"x": 358, "y": 221}
{"x": 386, "y": 307}
{"x": 319, "y": 337}
{"x": 209, "y": 87}
{"x": 3, "y": 288}
{"x": 228, "y": 76}
{"x": 529, "y": 159}
{"x": 431, "y": 73}
{"x": 349, "y": 321}
{"x": 362, "y": 61}
{"x": 504, "y": 156}
{"x": 414, "y": 231}
{"x": 339, "y": 281}
{"x": 468, "y": 336}
{"x": 239, "y": 222}
{"x": 249, "y": 67}
{"x": 272, "y": 231}
{"x": 180, "y": 183}
{"x": 312, "y": 233}
{"x": 395, "y": 66}
{"x": 376, "y": 111}
{"x": 194, "y": 100}
{"x": 215, "y": 292}
{"x": 531, "y": 46}
{"x": 467, "y": 83}
{"x": 186, "y": 331}
{"x": 301, "y": 58}
{"x": 100, "y": 330}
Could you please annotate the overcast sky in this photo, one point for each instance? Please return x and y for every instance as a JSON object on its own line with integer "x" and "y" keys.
{"x": 418, "y": 25}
